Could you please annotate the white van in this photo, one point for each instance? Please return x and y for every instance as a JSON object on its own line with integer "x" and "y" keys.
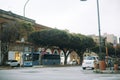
{"x": 88, "y": 62}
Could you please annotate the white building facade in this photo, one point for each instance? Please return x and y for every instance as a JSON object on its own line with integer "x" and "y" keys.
{"x": 111, "y": 38}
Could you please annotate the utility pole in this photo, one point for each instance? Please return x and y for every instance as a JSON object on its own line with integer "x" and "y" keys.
{"x": 0, "y": 54}
{"x": 25, "y": 8}
{"x": 99, "y": 30}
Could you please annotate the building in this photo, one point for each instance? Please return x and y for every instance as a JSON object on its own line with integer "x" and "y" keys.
{"x": 21, "y": 46}
{"x": 17, "y": 48}
{"x": 95, "y": 38}
{"x": 111, "y": 38}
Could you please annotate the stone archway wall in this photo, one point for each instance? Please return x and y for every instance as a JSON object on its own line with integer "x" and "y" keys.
{"x": 74, "y": 57}
{"x": 49, "y": 51}
{"x": 62, "y": 57}
{"x": 56, "y": 51}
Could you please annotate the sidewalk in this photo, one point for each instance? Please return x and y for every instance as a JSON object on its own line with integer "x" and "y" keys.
{"x": 107, "y": 71}
{"x": 5, "y": 67}
{"x": 41, "y": 66}
{"x": 35, "y": 66}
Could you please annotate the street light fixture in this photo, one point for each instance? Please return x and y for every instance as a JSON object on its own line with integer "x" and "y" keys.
{"x": 99, "y": 30}
{"x": 25, "y": 7}
{"x": 83, "y": 0}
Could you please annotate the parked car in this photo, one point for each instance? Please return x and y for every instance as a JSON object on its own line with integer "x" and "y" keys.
{"x": 88, "y": 62}
{"x": 12, "y": 63}
{"x": 73, "y": 62}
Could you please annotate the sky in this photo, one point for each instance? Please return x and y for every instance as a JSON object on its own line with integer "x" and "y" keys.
{"x": 74, "y": 15}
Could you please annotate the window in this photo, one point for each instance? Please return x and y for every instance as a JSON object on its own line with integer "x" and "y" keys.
{"x": 27, "y": 57}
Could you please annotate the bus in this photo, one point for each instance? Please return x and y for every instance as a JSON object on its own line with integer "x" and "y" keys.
{"x": 31, "y": 58}
{"x": 36, "y": 58}
{"x": 50, "y": 59}
{"x": 27, "y": 59}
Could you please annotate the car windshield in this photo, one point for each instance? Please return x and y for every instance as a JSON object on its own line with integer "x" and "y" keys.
{"x": 12, "y": 60}
{"x": 89, "y": 58}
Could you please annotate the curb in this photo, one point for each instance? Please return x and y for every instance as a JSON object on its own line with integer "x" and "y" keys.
{"x": 106, "y": 71}
{"x": 42, "y": 66}
{"x": 5, "y": 67}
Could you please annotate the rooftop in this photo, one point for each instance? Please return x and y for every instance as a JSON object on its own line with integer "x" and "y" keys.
{"x": 9, "y": 13}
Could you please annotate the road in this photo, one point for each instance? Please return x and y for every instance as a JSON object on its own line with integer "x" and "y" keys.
{"x": 54, "y": 73}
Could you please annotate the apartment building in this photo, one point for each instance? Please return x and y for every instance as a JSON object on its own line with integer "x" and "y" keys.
{"x": 111, "y": 38}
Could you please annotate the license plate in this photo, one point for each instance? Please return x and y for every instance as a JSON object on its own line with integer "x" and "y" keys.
{"x": 88, "y": 62}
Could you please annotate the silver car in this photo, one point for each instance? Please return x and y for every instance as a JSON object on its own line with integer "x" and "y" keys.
{"x": 12, "y": 63}
{"x": 88, "y": 62}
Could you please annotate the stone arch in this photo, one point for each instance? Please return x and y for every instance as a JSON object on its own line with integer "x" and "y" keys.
{"x": 61, "y": 53}
{"x": 56, "y": 51}
{"x": 48, "y": 51}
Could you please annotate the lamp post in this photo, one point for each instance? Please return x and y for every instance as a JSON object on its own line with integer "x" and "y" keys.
{"x": 25, "y": 7}
{"x": 0, "y": 54}
{"x": 0, "y": 44}
{"x": 22, "y": 41}
{"x": 99, "y": 30}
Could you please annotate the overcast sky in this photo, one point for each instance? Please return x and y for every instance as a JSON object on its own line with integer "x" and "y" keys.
{"x": 74, "y": 15}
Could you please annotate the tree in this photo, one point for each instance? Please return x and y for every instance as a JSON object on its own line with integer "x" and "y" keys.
{"x": 111, "y": 49}
{"x": 118, "y": 50}
{"x": 10, "y": 32}
{"x": 62, "y": 39}
{"x": 52, "y": 37}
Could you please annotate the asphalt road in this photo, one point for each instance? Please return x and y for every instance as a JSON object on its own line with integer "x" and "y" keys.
{"x": 54, "y": 73}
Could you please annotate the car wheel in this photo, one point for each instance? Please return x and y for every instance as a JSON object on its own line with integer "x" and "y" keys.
{"x": 92, "y": 68}
{"x": 84, "y": 68}
{"x": 18, "y": 65}
{"x": 7, "y": 64}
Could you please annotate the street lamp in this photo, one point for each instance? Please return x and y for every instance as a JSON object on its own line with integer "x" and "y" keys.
{"x": 99, "y": 30}
{"x": 23, "y": 41}
{"x": 1, "y": 41}
{"x": 83, "y": 0}
{"x": 25, "y": 7}
{"x": 0, "y": 44}
{"x": 0, "y": 54}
